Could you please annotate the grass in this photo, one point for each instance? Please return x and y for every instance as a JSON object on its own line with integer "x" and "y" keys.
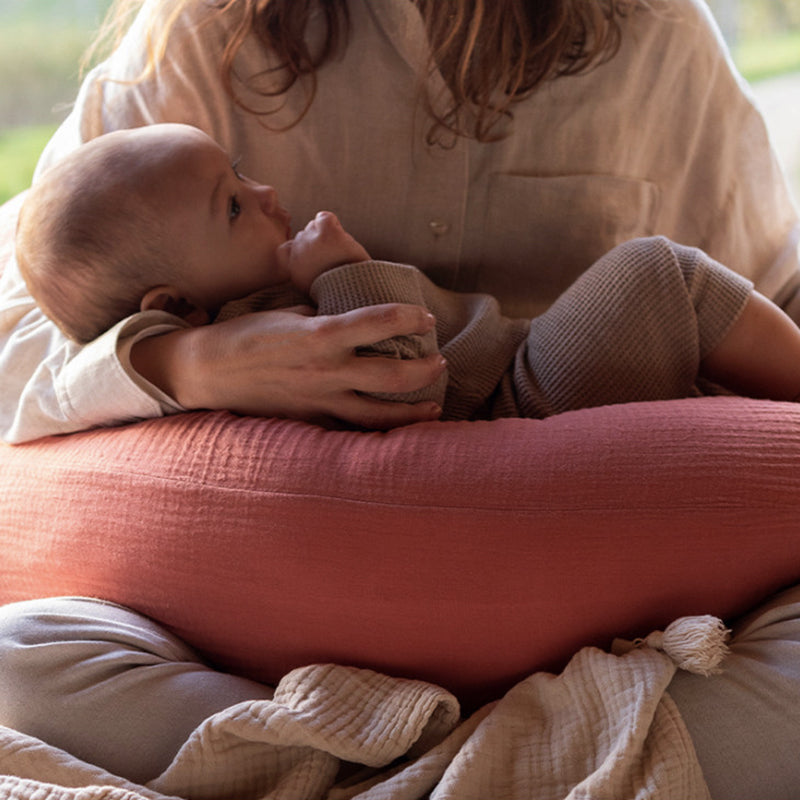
{"x": 41, "y": 45}
{"x": 39, "y": 71}
{"x": 19, "y": 151}
{"x": 762, "y": 58}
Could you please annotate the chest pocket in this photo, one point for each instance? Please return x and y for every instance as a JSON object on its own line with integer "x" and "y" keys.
{"x": 541, "y": 233}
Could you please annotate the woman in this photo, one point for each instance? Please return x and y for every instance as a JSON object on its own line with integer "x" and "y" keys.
{"x": 598, "y": 123}
{"x": 586, "y": 147}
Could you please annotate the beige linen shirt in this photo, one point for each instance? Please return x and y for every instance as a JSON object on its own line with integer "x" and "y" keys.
{"x": 662, "y": 139}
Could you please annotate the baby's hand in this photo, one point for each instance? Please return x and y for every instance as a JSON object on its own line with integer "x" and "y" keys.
{"x": 322, "y": 245}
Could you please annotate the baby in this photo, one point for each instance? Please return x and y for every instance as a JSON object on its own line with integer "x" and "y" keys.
{"x": 159, "y": 218}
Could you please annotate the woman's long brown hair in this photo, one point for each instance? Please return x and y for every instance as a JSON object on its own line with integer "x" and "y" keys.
{"x": 491, "y": 53}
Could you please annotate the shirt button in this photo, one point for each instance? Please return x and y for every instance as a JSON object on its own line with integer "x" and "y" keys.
{"x": 438, "y": 227}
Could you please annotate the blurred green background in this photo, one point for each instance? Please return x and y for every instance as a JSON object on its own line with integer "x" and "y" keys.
{"x": 41, "y": 45}
{"x": 42, "y": 41}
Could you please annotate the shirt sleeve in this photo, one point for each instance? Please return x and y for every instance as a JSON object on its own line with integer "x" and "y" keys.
{"x": 729, "y": 194}
{"x": 52, "y": 385}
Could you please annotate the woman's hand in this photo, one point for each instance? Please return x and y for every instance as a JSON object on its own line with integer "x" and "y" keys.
{"x": 285, "y": 364}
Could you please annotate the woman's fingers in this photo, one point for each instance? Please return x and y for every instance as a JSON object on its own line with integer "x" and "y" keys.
{"x": 371, "y": 324}
{"x": 380, "y": 415}
{"x": 391, "y": 375}
{"x": 345, "y": 333}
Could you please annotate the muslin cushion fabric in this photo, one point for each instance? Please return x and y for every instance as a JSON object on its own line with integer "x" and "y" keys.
{"x": 465, "y": 553}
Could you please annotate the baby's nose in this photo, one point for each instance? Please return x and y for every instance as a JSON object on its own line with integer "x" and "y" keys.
{"x": 267, "y": 198}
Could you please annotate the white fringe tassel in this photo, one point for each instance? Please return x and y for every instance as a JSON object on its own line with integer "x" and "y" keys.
{"x": 695, "y": 644}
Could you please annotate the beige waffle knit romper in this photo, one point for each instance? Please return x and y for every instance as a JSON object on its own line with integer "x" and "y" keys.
{"x": 633, "y": 327}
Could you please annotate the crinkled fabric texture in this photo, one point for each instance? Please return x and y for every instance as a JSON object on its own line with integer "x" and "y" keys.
{"x": 603, "y": 728}
{"x": 467, "y": 554}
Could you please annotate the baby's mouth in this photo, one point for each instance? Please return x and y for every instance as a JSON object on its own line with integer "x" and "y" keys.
{"x": 287, "y": 220}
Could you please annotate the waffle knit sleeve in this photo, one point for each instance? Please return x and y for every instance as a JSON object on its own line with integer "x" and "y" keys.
{"x": 477, "y": 341}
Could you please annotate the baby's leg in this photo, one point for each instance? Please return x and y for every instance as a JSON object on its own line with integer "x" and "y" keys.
{"x": 760, "y": 355}
{"x": 106, "y": 684}
{"x": 636, "y": 326}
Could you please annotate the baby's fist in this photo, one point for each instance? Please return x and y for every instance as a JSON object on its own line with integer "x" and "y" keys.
{"x": 322, "y": 245}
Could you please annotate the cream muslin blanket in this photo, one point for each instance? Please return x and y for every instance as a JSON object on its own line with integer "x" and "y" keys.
{"x": 603, "y": 728}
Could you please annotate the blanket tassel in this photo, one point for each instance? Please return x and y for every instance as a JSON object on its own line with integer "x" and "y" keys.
{"x": 695, "y": 644}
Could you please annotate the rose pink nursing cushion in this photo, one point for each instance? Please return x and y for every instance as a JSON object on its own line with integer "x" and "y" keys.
{"x": 468, "y": 554}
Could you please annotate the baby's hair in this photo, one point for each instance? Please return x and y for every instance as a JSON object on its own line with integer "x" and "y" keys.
{"x": 88, "y": 245}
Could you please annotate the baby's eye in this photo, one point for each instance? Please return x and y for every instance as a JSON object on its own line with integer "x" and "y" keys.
{"x": 235, "y": 168}
{"x": 234, "y": 208}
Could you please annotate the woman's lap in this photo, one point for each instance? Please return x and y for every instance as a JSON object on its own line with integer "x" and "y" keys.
{"x": 106, "y": 684}
{"x": 745, "y": 722}
{"x": 69, "y": 675}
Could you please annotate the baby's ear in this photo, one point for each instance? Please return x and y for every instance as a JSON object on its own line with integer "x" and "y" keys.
{"x": 170, "y": 299}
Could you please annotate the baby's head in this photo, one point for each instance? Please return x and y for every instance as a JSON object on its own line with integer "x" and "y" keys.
{"x": 90, "y": 241}
{"x": 153, "y": 217}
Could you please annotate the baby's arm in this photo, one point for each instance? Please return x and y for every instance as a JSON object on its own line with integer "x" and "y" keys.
{"x": 373, "y": 283}
{"x": 329, "y": 265}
